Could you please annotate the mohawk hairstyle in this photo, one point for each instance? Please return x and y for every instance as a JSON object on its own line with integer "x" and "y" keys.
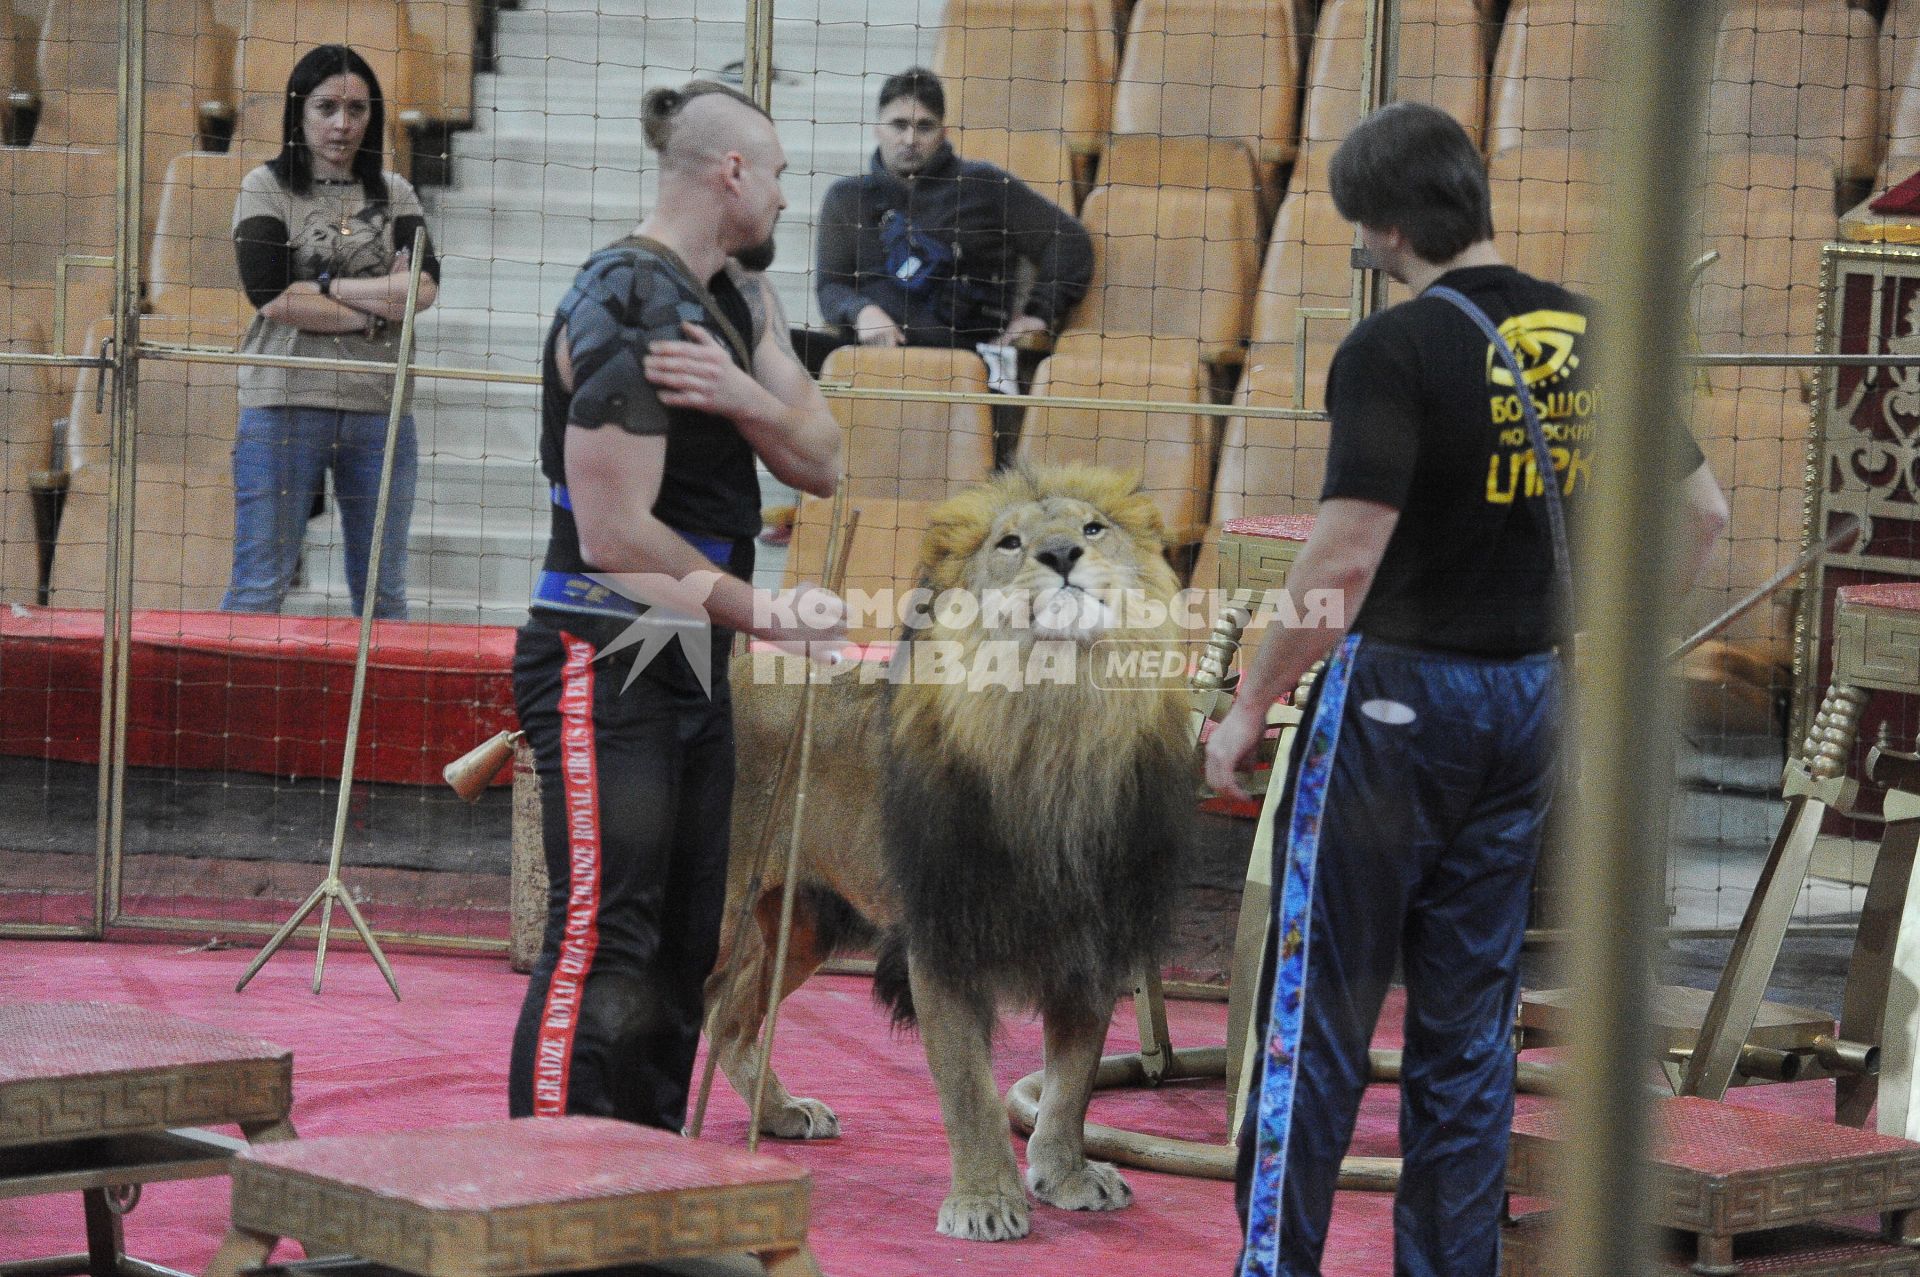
{"x": 662, "y": 106}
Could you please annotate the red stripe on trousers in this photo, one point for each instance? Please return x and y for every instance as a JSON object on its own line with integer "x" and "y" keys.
{"x": 579, "y": 770}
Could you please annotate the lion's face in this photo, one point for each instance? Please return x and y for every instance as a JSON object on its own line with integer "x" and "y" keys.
{"x": 1065, "y": 559}
{"x": 1053, "y": 554}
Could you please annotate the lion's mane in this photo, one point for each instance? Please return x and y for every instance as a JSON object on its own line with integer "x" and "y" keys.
{"x": 1033, "y": 835}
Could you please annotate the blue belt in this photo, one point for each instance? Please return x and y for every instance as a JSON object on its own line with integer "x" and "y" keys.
{"x": 577, "y": 592}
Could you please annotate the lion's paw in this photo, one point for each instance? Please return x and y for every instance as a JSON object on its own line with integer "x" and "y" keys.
{"x": 800, "y": 1119}
{"x": 984, "y": 1219}
{"x": 1088, "y": 1186}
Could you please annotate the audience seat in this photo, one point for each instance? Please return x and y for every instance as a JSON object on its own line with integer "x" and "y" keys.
{"x": 440, "y": 44}
{"x": 187, "y": 415}
{"x": 57, "y": 202}
{"x": 1548, "y": 82}
{"x": 1267, "y": 465}
{"x": 1442, "y": 63}
{"x": 1801, "y": 77}
{"x": 28, "y": 406}
{"x": 1172, "y": 270}
{"x": 189, "y": 83}
{"x": 1038, "y": 157}
{"x": 1029, "y": 66}
{"x": 194, "y": 276}
{"x": 1768, "y": 215}
{"x": 1308, "y": 267}
{"x": 921, "y": 451}
{"x": 1546, "y": 200}
{"x": 1195, "y": 69}
{"x": 1754, "y": 436}
{"x": 1172, "y": 451}
{"x": 1900, "y": 72}
{"x": 1145, "y": 159}
{"x": 16, "y": 70}
{"x": 884, "y": 562}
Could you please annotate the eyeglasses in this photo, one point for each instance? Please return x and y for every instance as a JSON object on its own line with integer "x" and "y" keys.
{"x": 919, "y": 128}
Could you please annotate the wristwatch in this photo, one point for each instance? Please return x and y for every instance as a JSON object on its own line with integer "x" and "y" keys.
{"x": 325, "y": 284}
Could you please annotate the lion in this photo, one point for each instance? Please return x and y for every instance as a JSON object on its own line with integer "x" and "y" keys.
{"x": 1024, "y": 845}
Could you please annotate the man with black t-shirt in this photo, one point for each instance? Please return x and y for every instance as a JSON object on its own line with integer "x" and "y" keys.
{"x": 666, "y": 372}
{"x": 1426, "y": 764}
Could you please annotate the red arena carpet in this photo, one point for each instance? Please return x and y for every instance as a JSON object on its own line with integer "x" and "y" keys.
{"x": 363, "y": 1062}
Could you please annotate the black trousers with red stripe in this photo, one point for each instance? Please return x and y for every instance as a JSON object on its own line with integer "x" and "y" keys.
{"x": 636, "y": 788}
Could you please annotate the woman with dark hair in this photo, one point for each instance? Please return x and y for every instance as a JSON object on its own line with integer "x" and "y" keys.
{"x": 323, "y": 236}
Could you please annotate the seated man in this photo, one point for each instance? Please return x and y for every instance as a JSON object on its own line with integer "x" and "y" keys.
{"x": 923, "y": 249}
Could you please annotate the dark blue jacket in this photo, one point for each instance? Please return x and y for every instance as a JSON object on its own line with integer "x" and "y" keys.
{"x": 938, "y": 251}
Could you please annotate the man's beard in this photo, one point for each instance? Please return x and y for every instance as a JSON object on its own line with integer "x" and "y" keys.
{"x": 756, "y": 257}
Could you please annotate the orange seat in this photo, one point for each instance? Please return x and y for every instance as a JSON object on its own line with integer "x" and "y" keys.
{"x": 1441, "y": 63}
{"x": 1038, "y": 157}
{"x": 1545, "y": 203}
{"x": 440, "y": 45}
{"x": 186, "y": 417}
{"x": 28, "y": 405}
{"x": 1029, "y": 66}
{"x": 56, "y": 203}
{"x": 1548, "y": 85}
{"x": 1900, "y": 72}
{"x": 1754, "y": 437}
{"x": 1172, "y": 269}
{"x": 1798, "y": 76}
{"x": 1227, "y": 69}
{"x": 1267, "y": 465}
{"x": 922, "y": 451}
{"x": 883, "y": 563}
{"x": 1303, "y": 303}
{"x": 194, "y": 276}
{"x": 1767, "y": 215}
{"x": 1145, "y": 159}
{"x": 16, "y": 72}
{"x": 1171, "y": 451}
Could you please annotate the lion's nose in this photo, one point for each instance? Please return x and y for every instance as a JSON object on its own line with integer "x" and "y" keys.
{"x": 1059, "y": 554}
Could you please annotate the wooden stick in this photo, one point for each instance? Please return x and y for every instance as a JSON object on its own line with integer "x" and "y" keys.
{"x": 331, "y": 889}
{"x": 1840, "y": 539}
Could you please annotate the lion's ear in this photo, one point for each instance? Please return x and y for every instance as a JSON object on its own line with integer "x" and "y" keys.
{"x": 956, "y": 529}
{"x": 1135, "y": 512}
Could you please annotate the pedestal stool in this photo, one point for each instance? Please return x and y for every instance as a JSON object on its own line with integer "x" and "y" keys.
{"x": 99, "y": 1099}
{"x": 513, "y": 1198}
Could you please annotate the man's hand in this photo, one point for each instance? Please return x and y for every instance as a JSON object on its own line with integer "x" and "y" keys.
{"x": 1230, "y": 747}
{"x": 876, "y": 328}
{"x": 1018, "y": 327}
{"x": 807, "y": 621}
{"x": 698, "y": 373}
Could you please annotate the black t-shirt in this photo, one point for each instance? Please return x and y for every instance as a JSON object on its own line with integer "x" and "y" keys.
{"x": 625, "y": 297}
{"x": 1426, "y": 420}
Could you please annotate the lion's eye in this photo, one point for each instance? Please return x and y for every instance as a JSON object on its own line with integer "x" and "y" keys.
{"x": 1094, "y": 529}
{"x": 1011, "y": 541}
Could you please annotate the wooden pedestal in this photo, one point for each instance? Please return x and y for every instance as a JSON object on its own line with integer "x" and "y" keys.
{"x": 1722, "y": 1172}
{"x": 515, "y": 1198}
{"x": 96, "y": 1097}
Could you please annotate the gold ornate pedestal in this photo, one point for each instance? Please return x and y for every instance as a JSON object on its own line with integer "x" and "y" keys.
{"x": 1750, "y": 1190}
{"x": 99, "y": 1099}
{"x": 517, "y": 1198}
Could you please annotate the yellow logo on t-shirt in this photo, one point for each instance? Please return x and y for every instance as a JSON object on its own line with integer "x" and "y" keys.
{"x": 1543, "y": 342}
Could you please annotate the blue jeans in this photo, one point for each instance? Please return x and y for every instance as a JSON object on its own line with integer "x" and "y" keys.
{"x": 279, "y": 456}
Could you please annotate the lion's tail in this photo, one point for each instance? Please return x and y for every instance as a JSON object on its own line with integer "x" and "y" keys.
{"x": 891, "y": 988}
